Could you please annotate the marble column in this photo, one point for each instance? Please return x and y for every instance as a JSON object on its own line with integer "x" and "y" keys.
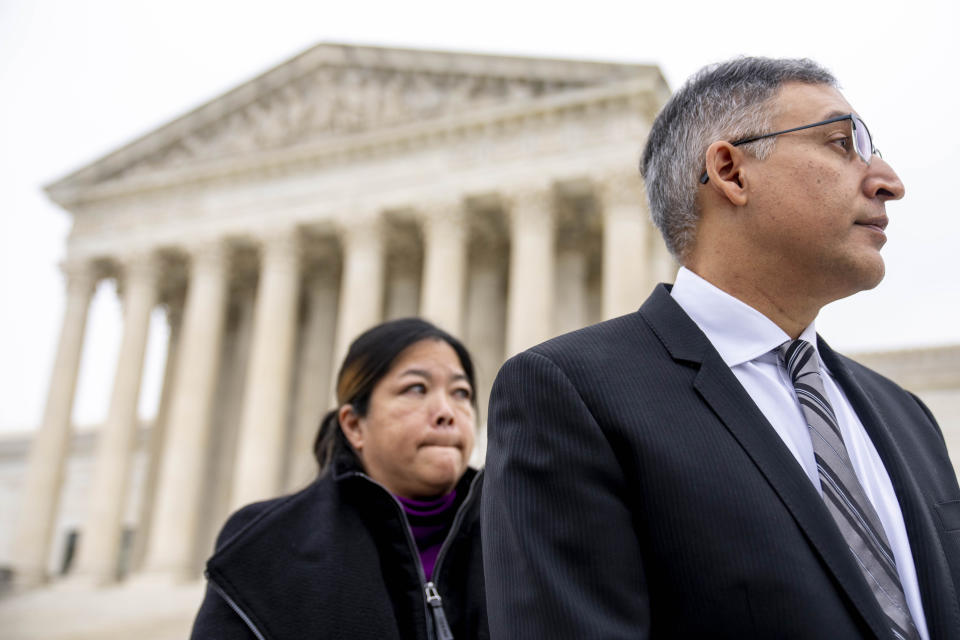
{"x": 403, "y": 270}
{"x": 444, "y": 266}
{"x": 571, "y": 290}
{"x": 258, "y": 470}
{"x": 102, "y": 533}
{"x": 361, "y": 284}
{"x": 157, "y": 440}
{"x": 530, "y": 291}
{"x": 313, "y": 383}
{"x": 176, "y": 517}
{"x": 45, "y": 467}
{"x": 227, "y": 412}
{"x": 626, "y": 257}
{"x": 485, "y": 323}
{"x": 484, "y": 329}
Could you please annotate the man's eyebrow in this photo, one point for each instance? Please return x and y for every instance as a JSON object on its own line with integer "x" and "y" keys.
{"x": 835, "y": 113}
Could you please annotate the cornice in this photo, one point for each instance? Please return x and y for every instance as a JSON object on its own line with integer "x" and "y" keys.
{"x": 920, "y": 369}
{"x": 641, "y": 95}
{"x": 352, "y": 56}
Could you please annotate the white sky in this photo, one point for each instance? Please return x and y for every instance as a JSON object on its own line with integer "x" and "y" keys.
{"x": 79, "y": 79}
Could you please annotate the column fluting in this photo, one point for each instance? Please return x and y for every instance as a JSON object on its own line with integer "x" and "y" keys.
{"x": 530, "y": 290}
{"x": 157, "y": 440}
{"x": 183, "y": 468}
{"x": 102, "y": 533}
{"x": 48, "y": 451}
{"x": 313, "y": 384}
{"x": 444, "y": 266}
{"x": 626, "y": 257}
{"x": 258, "y": 470}
{"x": 361, "y": 284}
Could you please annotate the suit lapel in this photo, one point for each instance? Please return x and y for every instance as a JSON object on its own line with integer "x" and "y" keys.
{"x": 933, "y": 574}
{"x": 724, "y": 394}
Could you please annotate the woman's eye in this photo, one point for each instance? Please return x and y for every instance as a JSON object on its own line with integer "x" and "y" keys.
{"x": 463, "y": 394}
{"x": 417, "y": 388}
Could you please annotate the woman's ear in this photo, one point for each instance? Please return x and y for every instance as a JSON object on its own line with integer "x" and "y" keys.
{"x": 726, "y": 172}
{"x": 351, "y": 427}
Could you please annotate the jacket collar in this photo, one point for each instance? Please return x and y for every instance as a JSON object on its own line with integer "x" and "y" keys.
{"x": 721, "y": 390}
{"x": 933, "y": 572}
{"x": 282, "y": 547}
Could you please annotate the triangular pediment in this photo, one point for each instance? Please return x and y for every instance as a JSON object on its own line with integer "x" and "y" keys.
{"x": 335, "y": 91}
{"x": 335, "y": 101}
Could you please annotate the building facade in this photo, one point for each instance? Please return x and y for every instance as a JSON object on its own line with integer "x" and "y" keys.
{"x": 496, "y": 196}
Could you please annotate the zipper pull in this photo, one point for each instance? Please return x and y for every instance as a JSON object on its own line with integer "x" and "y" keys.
{"x": 436, "y": 606}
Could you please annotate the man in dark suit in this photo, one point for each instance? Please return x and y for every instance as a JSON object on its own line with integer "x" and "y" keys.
{"x": 708, "y": 467}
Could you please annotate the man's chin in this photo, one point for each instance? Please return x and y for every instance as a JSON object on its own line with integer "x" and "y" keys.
{"x": 861, "y": 275}
{"x": 874, "y": 277}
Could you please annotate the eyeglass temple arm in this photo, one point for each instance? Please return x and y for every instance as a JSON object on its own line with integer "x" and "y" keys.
{"x": 800, "y": 128}
{"x": 704, "y": 178}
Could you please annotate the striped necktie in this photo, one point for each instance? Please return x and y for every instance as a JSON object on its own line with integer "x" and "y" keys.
{"x": 842, "y": 492}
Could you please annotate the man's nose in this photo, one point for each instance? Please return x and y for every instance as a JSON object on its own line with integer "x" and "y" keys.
{"x": 882, "y": 181}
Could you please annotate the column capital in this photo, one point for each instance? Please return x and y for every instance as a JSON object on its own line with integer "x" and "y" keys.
{"x": 528, "y": 196}
{"x": 140, "y": 266}
{"x": 451, "y": 208}
{"x": 281, "y": 246}
{"x": 209, "y": 253}
{"x": 529, "y": 202}
{"x": 368, "y": 225}
{"x": 281, "y": 238}
{"x": 82, "y": 275}
{"x": 443, "y": 222}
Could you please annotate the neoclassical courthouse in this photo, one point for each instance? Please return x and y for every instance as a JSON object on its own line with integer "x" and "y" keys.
{"x": 496, "y": 196}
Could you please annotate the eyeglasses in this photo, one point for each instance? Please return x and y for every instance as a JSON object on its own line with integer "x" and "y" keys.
{"x": 862, "y": 140}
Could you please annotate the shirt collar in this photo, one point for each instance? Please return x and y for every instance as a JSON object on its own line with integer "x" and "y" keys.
{"x": 737, "y": 331}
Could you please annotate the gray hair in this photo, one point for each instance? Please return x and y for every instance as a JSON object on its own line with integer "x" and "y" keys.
{"x": 724, "y": 101}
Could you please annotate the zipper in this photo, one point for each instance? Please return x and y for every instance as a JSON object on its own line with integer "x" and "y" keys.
{"x": 436, "y": 606}
{"x": 432, "y": 600}
{"x": 455, "y": 525}
{"x": 412, "y": 545}
{"x": 233, "y": 605}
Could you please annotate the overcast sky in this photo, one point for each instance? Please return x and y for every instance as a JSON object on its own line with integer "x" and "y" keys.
{"x": 78, "y": 79}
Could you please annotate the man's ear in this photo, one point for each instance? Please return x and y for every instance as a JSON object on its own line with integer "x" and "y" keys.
{"x": 350, "y": 425}
{"x": 725, "y": 168}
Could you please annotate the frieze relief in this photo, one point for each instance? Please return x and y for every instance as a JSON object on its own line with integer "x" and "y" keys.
{"x": 333, "y": 102}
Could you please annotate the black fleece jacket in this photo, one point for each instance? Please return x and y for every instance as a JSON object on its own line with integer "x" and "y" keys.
{"x": 337, "y": 561}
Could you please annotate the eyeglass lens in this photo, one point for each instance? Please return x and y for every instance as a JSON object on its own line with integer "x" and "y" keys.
{"x": 861, "y": 138}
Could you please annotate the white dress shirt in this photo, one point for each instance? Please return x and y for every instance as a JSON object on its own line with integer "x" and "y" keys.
{"x": 747, "y": 341}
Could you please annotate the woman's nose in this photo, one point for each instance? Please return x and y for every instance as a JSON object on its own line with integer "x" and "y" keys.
{"x": 444, "y": 416}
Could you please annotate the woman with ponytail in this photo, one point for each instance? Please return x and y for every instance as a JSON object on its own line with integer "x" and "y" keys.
{"x": 386, "y": 542}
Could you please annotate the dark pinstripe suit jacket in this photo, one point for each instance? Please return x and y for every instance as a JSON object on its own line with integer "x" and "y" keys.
{"x": 633, "y": 489}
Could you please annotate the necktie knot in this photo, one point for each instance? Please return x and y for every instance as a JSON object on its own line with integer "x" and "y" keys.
{"x": 799, "y": 357}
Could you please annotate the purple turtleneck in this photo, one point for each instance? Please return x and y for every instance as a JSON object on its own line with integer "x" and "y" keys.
{"x": 430, "y": 520}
